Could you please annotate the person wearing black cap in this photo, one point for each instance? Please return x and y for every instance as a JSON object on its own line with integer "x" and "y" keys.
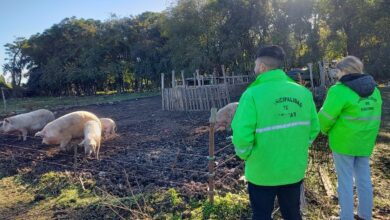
{"x": 274, "y": 125}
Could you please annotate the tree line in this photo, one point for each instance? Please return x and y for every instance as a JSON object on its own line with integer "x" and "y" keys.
{"x": 83, "y": 56}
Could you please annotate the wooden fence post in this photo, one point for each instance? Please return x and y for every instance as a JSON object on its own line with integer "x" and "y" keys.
{"x": 173, "y": 79}
{"x": 322, "y": 73}
{"x": 194, "y": 74}
{"x": 224, "y": 81}
{"x": 4, "y": 101}
{"x": 311, "y": 76}
{"x": 326, "y": 71}
{"x": 214, "y": 77}
{"x": 198, "y": 77}
{"x": 211, "y": 157}
{"x": 162, "y": 91}
{"x": 183, "y": 79}
{"x": 224, "y": 74}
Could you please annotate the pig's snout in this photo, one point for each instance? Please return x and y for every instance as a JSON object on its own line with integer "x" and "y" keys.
{"x": 38, "y": 134}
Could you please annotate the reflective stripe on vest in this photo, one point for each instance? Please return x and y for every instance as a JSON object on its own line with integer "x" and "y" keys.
{"x": 243, "y": 150}
{"x": 327, "y": 115}
{"x": 373, "y": 118}
{"x": 283, "y": 126}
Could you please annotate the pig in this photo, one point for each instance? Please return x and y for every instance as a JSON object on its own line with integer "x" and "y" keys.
{"x": 108, "y": 127}
{"x": 225, "y": 116}
{"x": 62, "y": 130}
{"x": 27, "y": 122}
{"x": 92, "y": 138}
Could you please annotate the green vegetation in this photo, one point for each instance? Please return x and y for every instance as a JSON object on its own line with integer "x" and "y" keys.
{"x": 230, "y": 206}
{"x": 27, "y": 104}
{"x": 79, "y": 56}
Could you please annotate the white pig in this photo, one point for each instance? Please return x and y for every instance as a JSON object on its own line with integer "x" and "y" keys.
{"x": 225, "y": 116}
{"x": 92, "y": 138}
{"x": 23, "y": 123}
{"x": 62, "y": 130}
{"x": 108, "y": 127}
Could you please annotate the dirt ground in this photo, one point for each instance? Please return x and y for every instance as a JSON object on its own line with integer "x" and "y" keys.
{"x": 156, "y": 148}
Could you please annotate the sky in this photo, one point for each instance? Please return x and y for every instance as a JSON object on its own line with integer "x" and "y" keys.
{"x": 23, "y": 18}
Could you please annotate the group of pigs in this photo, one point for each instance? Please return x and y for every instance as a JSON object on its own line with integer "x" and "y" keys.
{"x": 79, "y": 124}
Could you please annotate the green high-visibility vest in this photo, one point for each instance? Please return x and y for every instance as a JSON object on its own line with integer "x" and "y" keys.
{"x": 352, "y": 122}
{"x": 274, "y": 125}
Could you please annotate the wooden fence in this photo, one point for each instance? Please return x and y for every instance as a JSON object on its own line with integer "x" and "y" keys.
{"x": 201, "y": 93}
{"x": 201, "y": 98}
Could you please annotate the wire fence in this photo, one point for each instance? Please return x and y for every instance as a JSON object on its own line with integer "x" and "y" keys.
{"x": 224, "y": 159}
{"x": 42, "y": 156}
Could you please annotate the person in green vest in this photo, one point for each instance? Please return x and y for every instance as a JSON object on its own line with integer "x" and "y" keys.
{"x": 274, "y": 125}
{"x": 351, "y": 117}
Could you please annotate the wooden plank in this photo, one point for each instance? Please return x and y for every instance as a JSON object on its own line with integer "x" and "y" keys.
{"x": 174, "y": 99}
{"x": 170, "y": 99}
{"x": 203, "y": 97}
{"x": 326, "y": 182}
{"x": 199, "y": 97}
{"x": 189, "y": 99}
{"x": 310, "y": 65}
{"x": 182, "y": 79}
{"x": 198, "y": 77}
{"x": 168, "y": 94}
{"x": 322, "y": 73}
{"x": 220, "y": 104}
{"x": 178, "y": 99}
{"x": 162, "y": 90}
{"x": 193, "y": 99}
{"x": 167, "y": 98}
{"x": 224, "y": 74}
{"x": 163, "y": 99}
{"x": 173, "y": 79}
{"x": 194, "y": 74}
{"x": 206, "y": 90}
{"x": 184, "y": 99}
{"x": 225, "y": 83}
{"x": 214, "y": 77}
{"x": 196, "y": 99}
{"x": 202, "y": 104}
{"x": 224, "y": 99}
{"x": 212, "y": 93}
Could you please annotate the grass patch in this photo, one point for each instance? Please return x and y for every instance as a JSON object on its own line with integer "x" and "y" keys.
{"x": 52, "y": 183}
{"x": 74, "y": 197}
{"x": 14, "y": 197}
{"x": 231, "y": 206}
{"x": 43, "y": 197}
{"x": 20, "y": 105}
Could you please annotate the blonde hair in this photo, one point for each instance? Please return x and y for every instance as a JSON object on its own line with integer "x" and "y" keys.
{"x": 350, "y": 64}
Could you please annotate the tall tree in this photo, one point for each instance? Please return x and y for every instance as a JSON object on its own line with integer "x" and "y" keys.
{"x": 16, "y": 60}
